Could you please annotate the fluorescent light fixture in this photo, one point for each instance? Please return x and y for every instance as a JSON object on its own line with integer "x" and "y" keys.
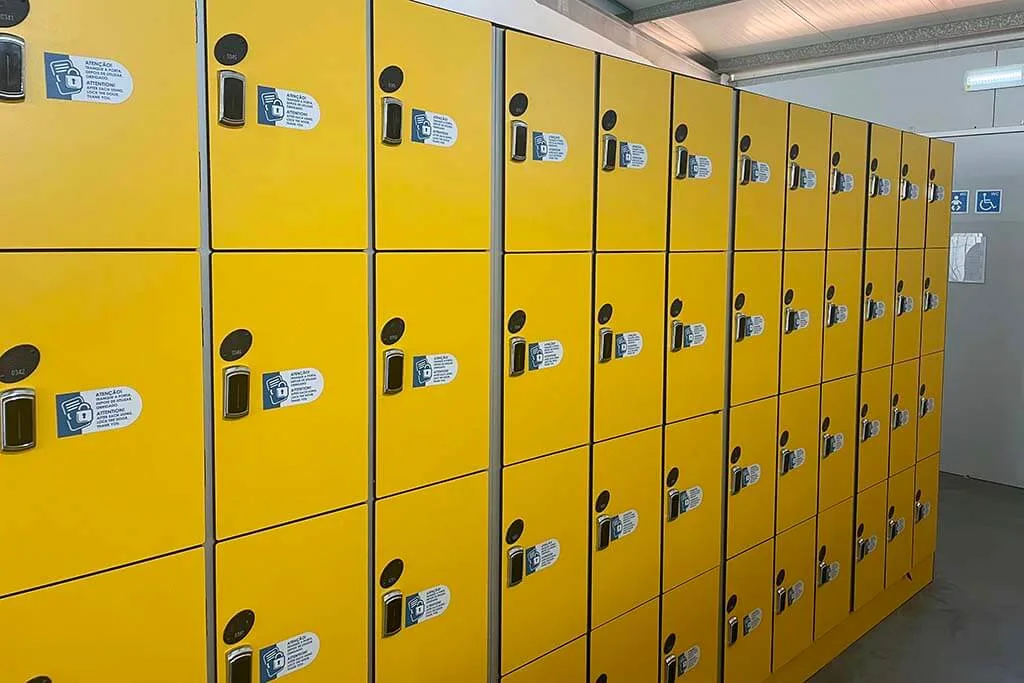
{"x": 994, "y": 77}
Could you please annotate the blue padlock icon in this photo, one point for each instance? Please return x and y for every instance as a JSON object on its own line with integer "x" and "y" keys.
{"x": 273, "y": 661}
{"x": 278, "y": 389}
{"x": 73, "y": 81}
{"x": 273, "y": 105}
{"x": 78, "y": 413}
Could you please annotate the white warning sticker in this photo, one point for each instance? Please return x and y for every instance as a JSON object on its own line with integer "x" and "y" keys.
{"x": 542, "y": 556}
{"x": 549, "y": 147}
{"x": 691, "y": 499}
{"x": 899, "y": 526}
{"x": 915, "y": 191}
{"x": 694, "y": 335}
{"x": 429, "y": 128}
{"x": 760, "y": 172}
{"x": 628, "y": 344}
{"x": 832, "y": 571}
{"x": 927, "y": 406}
{"x": 688, "y": 660}
{"x": 544, "y": 355}
{"x": 795, "y": 592}
{"x": 701, "y": 167}
{"x": 808, "y": 179}
{"x": 751, "y": 475}
{"x": 870, "y": 545}
{"x": 872, "y": 429}
{"x": 842, "y": 314}
{"x": 97, "y": 410}
{"x": 752, "y": 621}
{"x": 282, "y": 108}
{"x": 846, "y": 183}
{"x": 291, "y": 387}
{"x": 940, "y": 193}
{"x": 632, "y": 155}
{"x": 86, "y": 79}
{"x": 798, "y": 458}
{"x": 624, "y": 524}
{"x": 802, "y": 319}
{"x": 426, "y": 605}
{"x": 434, "y": 370}
{"x": 288, "y": 656}
{"x": 926, "y": 509}
{"x": 837, "y": 443}
{"x": 755, "y": 326}
{"x": 884, "y": 187}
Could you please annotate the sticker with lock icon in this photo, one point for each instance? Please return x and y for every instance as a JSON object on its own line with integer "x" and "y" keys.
{"x": 282, "y": 108}
{"x": 86, "y": 79}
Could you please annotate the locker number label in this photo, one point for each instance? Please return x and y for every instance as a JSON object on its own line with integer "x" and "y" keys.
{"x": 549, "y": 147}
{"x": 287, "y": 388}
{"x": 545, "y": 354}
{"x": 632, "y": 155}
{"x": 688, "y": 660}
{"x": 286, "y": 657}
{"x": 628, "y": 344}
{"x": 542, "y": 556}
{"x": 429, "y": 128}
{"x": 86, "y": 79}
{"x": 701, "y": 167}
{"x": 625, "y": 524}
{"x": 434, "y": 370}
{"x": 98, "y": 410}
{"x": 752, "y": 621}
{"x": 286, "y": 108}
{"x": 426, "y": 605}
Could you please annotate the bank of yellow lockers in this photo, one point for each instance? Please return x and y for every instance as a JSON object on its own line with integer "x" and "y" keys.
{"x": 760, "y": 173}
{"x": 807, "y": 178}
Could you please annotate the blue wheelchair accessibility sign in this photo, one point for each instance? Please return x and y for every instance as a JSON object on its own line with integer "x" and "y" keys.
{"x": 988, "y": 202}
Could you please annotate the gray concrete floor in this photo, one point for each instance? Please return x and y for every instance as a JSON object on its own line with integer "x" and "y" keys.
{"x": 968, "y": 625}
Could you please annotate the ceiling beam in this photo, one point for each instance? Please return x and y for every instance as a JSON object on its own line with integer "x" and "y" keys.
{"x": 672, "y": 9}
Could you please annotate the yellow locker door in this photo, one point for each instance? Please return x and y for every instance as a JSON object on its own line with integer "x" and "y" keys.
{"x": 807, "y": 178}
{"x": 873, "y": 428}
{"x": 749, "y": 596}
{"x": 795, "y": 581}
{"x": 547, "y": 353}
{"x": 294, "y": 598}
{"x": 703, "y": 126}
{"x": 568, "y": 663}
{"x": 797, "y": 489}
{"x": 913, "y": 191}
{"x": 689, "y": 630}
{"x": 929, "y": 409}
{"x": 903, "y": 417}
{"x": 693, "y": 499}
{"x": 847, "y": 183}
{"x": 751, "y": 473}
{"x": 907, "y": 305}
{"x": 100, "y": 125}
{"x": 432, "y": 73}
{"x": 697, "y": 334}
{"x": 626, "y": 548}
{"x": 933, "y": 300}
{"x": 879, "y": 294}
{"x": 279, "y": 383}
{"x": 433, "y": 358}
{"x": 803, "y": 293}
{"x": 899, "y": 529}
{"x": 545, "y": 554}
{"x": 841, "y": 344}
{"x": 926, "y": 500}
{"x": 883, "y": 187}
{"x": 288, "y": 148}
{"x": 626, "y": 649}
{"x": 869, "y": 545}
{"x": 432, "y": 584}
{"x": 940, "y": 188}
{"x": 628, "y": 351}
{"x": 60, "y": 633}
{"x": 102, "y": 413}
{"x": 550, "y": 124}
{"x": 632, "y": 155}
{"x": 757, "y": 281}
{"x": 761, "y": 172}
{"x": 833, "y": 574}
{"x": 838, "y": 441}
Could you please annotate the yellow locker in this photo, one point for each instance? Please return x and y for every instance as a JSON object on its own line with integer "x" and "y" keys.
{"x": 847, "y": 183}
{"x": 432, "y": 73}
{"x": 66, "y": 632}
{"x": 749, "y": 599}
{"x": 431, "y": 580}
{"x": 833, "y": 574}
{"x": 628, "y": 352}
{"x": 869, "y": 545}
{"x": 883, "y": 187}
{"x": 926, "y": 500}
{"x": 929, "y": 415}
{"x": 899, "y": 530}
{"x": 903, "y": 417}
{"x": 757, "y": 280}
{"x": 433, "y": 360}
{"x": 689, "y": 630}
{"x": 913, "y": 191}
{"x": 838, "y": 441}
{"x": 288, "y": 148}
{"x": 875, "y": 416}
{"x": 545, "y": 554}
{"x": 761, "y": 172}
{"x": 626, "y": 649}
{"x": 285, "y": 399}
{"x": 101, "y": 417}
{"x": 697, "y": 334}
{"x": 940, "y": 188}
{"x": 693, "y": 499}
{"x": 100, "y": 125}
{"x": 795, "y": 581}
{"x": 907, "y": 305}
{"x": 550, "y": 128}
{"x": 294, "y": 598}
{"x": 879, "y": 295}
{"x": 703, "y": 126}
{"x": 797, "y": 489}
{"x": 807, "y": 178}
{"x": 933, "y": 300}
{"x": 751, "y": 473}
{"x": 568, "y": 663}
{"x": 547, "y": 353}
{"x": 626, "y": 548}
{"x": 803, "y": 293}
{"x": 632, "y": 155}
{"x": 841, "y": 344}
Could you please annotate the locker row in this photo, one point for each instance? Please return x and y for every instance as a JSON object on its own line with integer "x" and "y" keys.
{"x": 290, "y": 141}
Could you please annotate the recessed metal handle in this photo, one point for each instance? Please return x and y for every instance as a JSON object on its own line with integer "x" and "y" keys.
{"x": 837, "y": 181}
{"x": 516, "y": 566}
{"x": 670, "y": 669}
{"x": 781, "y": 601}
{"x": 894, "y": 530}
{"x": 236, "y": 392}
{"x": 674, "y": 504}
{"x": 240, "y": 665}
{"x": 738, "y": 480}
{"x": 746, "y": 170}
{"x": 863, "y": 549}
{"x": 12, "y": 68}
{"x": 874, "y": 183}
{"x": 678, "y": 335}
{"x": 17, "y": 420}
{"x": 231, "y": 110}
{"x": 516, "y": 356}
{"x": 794, "y": 176}
{"x": 870, "y": 311}
{"x": 741, "y": 326}
{"x": 905, "y": 191}
{"x": 832, "y": 317}
{"x": 391, "y": 616}
{"x": 607, "y": 345}
{"x": 609, "y": 153}
{"x": 392, "y": 121}
{"x": 520, "y": 141}
{"x": 732, "y": 631}
{"x": 865, "y": 429}
{"x": 394, "y": 371}
{"x": 788, "y": 460}
{"x": 828, "y": 446}
{"x": 604, "y": 532}
{"x": 792, "y": 321}
{"x": 682, "y": 163}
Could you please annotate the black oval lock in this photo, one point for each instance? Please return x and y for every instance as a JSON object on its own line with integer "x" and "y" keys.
{"x": 836, "y": 159}
{"x": 604, "y": 315}
{"x": 927, "y": 283}
{"x": 18, "y": 363}
{"x": 789, "y": 296}
{"x": 899, "y": 286}
{"x": 823, "y": 553}
{"x": 931, "y": 174}
{"x": 869, "y": 288}
{"x": 825, "y": 424}
{"x": 392, "y": 573}
{"x": 784, "y": 438}
{"x": 780, "y": 578}
{"x": 736, "y": 454}
{"x": 516, "y": 321}
{"x": 681, "y": 132}
{"x": 892, "y": 511}
{"x": 923, "y": 389}
{"x": 860, "y": 530}
{"x": 864, "y": 410}
{"x": 673, "y": 477}
{"x": 392, "y": 331}
{"x": 514, "y": 531}
{"x": 831, "y": 293}
{"x": 895, "y": 400}
{"x": 917, "y": 496}
{"x": 740, "y": 300}
{"x": 874, "y": 165}
{"x": 906, "y": 170}
{"x": 231, "y": 49}
{"x": 12, "y": 13}
{"x": 603, "y": 678}
{"x": 391, "y": 79}
{"x": 518, "y": 104}
{"x": 676, "y": 308}
{"x": 41, "y": 679}
{"x": 235, "y": 345}
{"x": 745, "y": 144}
{"x": 794, "y": 152}
{"x": 238, "y": 626}
{"x": 602, "y": 501}
{"x": 609, "y": 119}
{"x": 670, "y": 644}
{"x": 730, "y": 605}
